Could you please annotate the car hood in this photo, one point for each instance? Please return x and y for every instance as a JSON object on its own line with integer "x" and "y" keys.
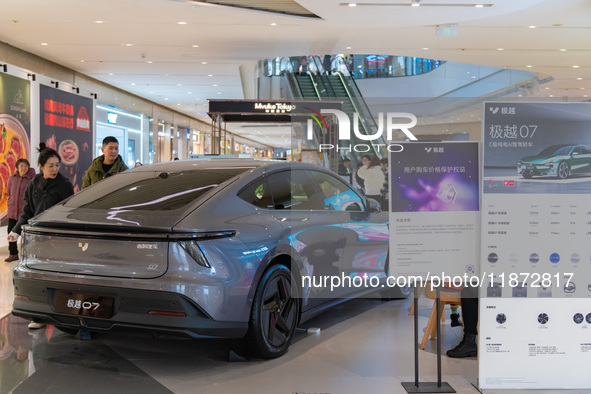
{"x": 539, "y": 159}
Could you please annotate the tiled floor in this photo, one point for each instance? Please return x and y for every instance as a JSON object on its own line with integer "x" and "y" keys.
{"x": 364, "y": 346}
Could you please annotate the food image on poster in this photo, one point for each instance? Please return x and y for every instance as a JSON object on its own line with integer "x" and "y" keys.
{"x": 69, "y": 152}
{"x": 13, "y": 143}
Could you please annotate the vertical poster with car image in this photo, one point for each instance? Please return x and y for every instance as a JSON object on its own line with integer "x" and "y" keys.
{"x": 535, "y": 310}
{"x": 15, "y": 129}
{"x": 434, "y": 209}
{"x": 66, "y": 126}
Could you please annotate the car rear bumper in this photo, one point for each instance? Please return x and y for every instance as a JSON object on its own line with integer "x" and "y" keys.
{"x": 132, "y": 309}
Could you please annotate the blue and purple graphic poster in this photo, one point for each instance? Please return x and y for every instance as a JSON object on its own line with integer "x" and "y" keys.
{"x": 434, "y": 177}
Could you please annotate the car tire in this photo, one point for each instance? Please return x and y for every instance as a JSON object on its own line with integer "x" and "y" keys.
{"x": 562, "y": 171}
{"x": 527, "y": 176}
{"x": 274, "y": 315}
{"x": 68, "y": 330}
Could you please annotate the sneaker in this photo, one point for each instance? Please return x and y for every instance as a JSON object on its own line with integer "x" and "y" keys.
{"x": 455, "y": 320}
{"x": 34, "y": 325}
{"x": 11, "y": 258}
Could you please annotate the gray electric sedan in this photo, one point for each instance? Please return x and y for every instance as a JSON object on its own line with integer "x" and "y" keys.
{"x": 217, "y": 248}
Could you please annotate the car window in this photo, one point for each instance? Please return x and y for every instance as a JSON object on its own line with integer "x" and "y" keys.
{"x": 585, "y": 150}
{"x": 291, "y": 190}
{"x": 258, "y": 194}
{"x": 334, "y": 193}
{"x": 578, "y": 150}
{"x": 152, "y": 191}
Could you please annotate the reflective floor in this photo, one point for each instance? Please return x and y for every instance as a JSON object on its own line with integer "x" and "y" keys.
{"x": 364, "y": 345}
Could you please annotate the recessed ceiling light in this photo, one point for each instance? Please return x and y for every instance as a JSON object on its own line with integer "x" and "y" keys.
{"x": 166, "y": 98}
{"x": 178, "y": 103}
{"x": 219, "y": 92}
{"x": 189, "y": 92}
{"x": 149, "y": 62}
{"x": 575, "y": 66}
{"x": 532, "y": 27}
{"x": 44, "y": 43}
{"x": 479, "y": 5}
{"x": 81, "y": 61}
{"x": 99, "y": 22}
{"x": 551, "y": 95}
{"x": 178, "y": 84}
{"x": 529, "y": 66}
{"x": 273, "y": 24}
{"x": 182, "y": 23}
{"x": 547, "y": 88}
{"x": 563, "y": 50}
{"x": 415, "y": 4}
{"x": 348, "y": 48}
{"x": 210, "y": 75}
{"x": 195, "y": 46}
{"x": 215, "y": 84}
{"x": 579, "y": 79}
{"x": 352, "y": 4}
{"x": 500, "y": 49}
{"x": 133, "y": 84}
{"x": 111, "y": 74}
{"x": 203, "y": 62}
{"x": 425, "y": 49}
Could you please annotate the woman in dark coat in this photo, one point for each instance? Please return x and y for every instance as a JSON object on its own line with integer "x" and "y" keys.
{"x": 17, "y": 184}
{"x": 44, "y": 191}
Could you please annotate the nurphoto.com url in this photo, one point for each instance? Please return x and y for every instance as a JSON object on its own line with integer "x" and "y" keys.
{"x": 533, "y": 279}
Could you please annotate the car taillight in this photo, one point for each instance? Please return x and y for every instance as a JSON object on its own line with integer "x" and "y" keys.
{"x": 196, "y": 253}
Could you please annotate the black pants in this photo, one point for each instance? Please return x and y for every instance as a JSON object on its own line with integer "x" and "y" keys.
{"x": 470, "y": 309}
{"x": 12, "y": 248}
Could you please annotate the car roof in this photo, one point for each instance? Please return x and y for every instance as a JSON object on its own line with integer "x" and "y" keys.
{"x": 182, "y": 165}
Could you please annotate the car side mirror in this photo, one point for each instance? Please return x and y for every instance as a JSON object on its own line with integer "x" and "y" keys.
{"x": 373, "y": 206}
{"x": 575, "y": 154}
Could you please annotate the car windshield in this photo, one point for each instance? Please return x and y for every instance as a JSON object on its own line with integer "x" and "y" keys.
{"x": 152, "y": 191}
{"x": 557, "y": 150}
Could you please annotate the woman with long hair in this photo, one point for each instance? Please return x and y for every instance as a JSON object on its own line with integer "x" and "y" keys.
{"x": 373, "y": 177}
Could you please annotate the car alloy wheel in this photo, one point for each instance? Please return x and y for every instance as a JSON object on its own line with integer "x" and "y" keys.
{"x": 562, "y": 172}
{"x": 274, "y": 315}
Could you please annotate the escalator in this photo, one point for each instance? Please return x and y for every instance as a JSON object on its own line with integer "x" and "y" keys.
{"x": 316, "y": 84}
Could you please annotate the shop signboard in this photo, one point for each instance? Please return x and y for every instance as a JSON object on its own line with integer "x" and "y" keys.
{"x": 66, "y": 126}
{"x": 535, "y": 310}
{"x": 434, "y": 211}
{"x": 15, "y": 130}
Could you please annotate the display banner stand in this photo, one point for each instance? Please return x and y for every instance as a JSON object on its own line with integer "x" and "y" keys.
{"x": 427, "y": 387}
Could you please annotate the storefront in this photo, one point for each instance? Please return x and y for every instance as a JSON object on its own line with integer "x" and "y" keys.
{"x": 132, "y": 130}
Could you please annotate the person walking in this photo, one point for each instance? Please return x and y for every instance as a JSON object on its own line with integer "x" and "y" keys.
{"x": 17, "y": 184}
{"x": 106, "y": 165}
{"x": 43, "y": 191}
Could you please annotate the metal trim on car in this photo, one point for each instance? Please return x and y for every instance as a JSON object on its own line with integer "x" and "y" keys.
{"x": 136, "y": 236}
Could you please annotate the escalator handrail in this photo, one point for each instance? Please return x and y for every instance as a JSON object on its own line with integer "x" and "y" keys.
{"x": 363, "y": 124}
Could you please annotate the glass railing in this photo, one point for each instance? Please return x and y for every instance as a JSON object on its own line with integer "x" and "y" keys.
{"x": 357, "y": 66}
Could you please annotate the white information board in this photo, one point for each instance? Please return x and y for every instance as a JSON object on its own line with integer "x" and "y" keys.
{"x": 434, "y": 210}
{"x": 535, "y": 312}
